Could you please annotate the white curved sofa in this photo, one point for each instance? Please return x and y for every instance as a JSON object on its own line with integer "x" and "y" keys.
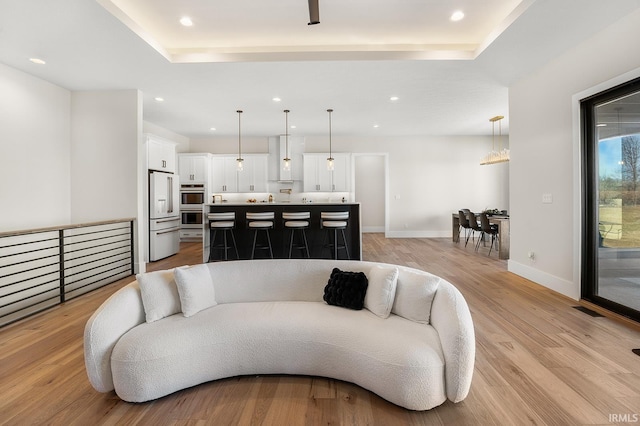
{"x": 269, "y": 317}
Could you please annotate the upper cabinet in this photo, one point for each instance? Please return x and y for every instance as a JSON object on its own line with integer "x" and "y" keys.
{"x": 254, "y": 176}
{"x": 318, "y": 179}
{"x": 161, "y": 154}
{"x": 224, "y": 174}
{"x": 194, "y": 168}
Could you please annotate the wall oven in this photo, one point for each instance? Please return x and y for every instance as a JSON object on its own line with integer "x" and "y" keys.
{"x": 192, "y": 196}
{"x": 191, "y": 219}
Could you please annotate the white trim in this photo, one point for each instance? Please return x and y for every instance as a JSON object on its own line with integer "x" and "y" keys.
{"x": 418, "y": 234}
{"x": 372, "y": 229}
{"x": 540, "y": 277}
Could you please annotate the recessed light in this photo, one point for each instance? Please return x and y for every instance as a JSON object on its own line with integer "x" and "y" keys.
{"x": 394, "y": 98}
{"x": 213, "y": 129}
{"x": 293, "y": 126}
{"x": 276, "y": 99}
{"x": 375, "y": 126}
{"x": 186, "y": 21}
{"x": 159, "y": 99}
{"x": 457, "y": 16}
{"x": 37, "y": 61}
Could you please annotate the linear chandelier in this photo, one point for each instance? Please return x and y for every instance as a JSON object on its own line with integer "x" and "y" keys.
{"x": 502, "y": 155}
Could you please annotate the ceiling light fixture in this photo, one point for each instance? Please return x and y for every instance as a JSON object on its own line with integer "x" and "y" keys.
{"x": 240, "y": 160}
{"x": 37, "y": 61}
{"x": 213, "y": 129}
{"x": 186, "y": 21}
{"x": 394, "y": 98}
{"x": 456, "y": 16}
{"x": 276, "y": 99}
{"x": 330, "y": 159}
{"x": 286, "y": 161}
{"x": 495, "y": 157}
{"x": 159, "y": 99}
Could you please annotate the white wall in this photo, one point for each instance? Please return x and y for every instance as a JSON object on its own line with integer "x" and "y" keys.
{"x": 370, "y": 190}
{"x": 34, "y": 152}
{"x": 106, "y": 128}
{"x": 545, "y": 142}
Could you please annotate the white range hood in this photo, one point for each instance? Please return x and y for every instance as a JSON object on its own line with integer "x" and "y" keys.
{"x": 277, "y": 152}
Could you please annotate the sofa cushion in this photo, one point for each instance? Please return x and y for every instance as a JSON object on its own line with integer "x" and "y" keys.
{"x": 159, "y": 293}
{"x": 381, "y": 290}
{"x": 346, "y": 289}
{"x": 414, "y": 295}
{"x": 195, "y": 288}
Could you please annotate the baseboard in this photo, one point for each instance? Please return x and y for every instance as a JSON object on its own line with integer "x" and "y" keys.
{"x": 372, "y": 229}
{"x": 418, "y": 234}
{"x": 552, "y": 282}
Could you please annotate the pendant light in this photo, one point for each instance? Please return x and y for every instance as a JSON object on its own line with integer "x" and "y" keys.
{"x": 240, "y": 160}
{"x": 286, "y": 161}
{"x": 502, "y": 155}
{"x": 330, "y": 160}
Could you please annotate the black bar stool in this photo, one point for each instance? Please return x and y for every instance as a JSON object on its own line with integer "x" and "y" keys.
{"x": 297, "y": 221}
{"x": 335, "y": 221}
{"x": 224, "y": 222}
{"x": 260, "y": 221}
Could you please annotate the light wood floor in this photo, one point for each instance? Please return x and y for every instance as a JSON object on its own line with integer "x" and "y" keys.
{"x": 539, "y": 361}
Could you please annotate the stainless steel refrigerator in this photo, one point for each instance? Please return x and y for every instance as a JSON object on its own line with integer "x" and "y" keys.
{"x": 164, "y": 215}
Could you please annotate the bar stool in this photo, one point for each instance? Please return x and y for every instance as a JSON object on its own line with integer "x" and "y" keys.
{"x": 336, "y": 221}
{"x": 224, "y": 222}
{"x": 260, "y": 221}
{"x": 297, "y": 221}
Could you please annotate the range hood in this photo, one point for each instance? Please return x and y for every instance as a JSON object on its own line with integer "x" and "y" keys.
{"x": 278, "y": 151}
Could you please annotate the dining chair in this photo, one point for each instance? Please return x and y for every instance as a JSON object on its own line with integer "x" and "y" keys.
{"x": 487, "y": 228}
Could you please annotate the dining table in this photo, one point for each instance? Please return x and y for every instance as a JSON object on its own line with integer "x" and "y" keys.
{"x": 501, "y": 221}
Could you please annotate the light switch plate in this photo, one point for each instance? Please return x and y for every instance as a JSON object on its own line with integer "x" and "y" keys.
{"x": 547, "y": 198}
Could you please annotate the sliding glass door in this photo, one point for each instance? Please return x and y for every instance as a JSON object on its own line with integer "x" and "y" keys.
{"x": 611, "y": 182}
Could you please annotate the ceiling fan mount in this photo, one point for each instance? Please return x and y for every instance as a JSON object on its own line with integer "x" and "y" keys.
{"x": 314, "y": 12}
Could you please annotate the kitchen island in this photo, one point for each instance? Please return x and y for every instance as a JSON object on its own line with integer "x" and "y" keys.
{"x": 316, "y": 236}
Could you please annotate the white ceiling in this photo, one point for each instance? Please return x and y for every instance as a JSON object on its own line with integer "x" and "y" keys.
{"x": 353, "y": 61}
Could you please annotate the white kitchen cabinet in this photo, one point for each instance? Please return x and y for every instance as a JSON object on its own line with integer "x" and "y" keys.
{"x": 194, "y": 168}
{"x": 224, "y": 174}
{"x": 254, "y": 176}
{"x": 161, "y": 154}
{"x": 318, "y": 179}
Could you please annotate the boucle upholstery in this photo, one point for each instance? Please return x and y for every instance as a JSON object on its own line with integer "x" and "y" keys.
{"x": 270, "y": 319}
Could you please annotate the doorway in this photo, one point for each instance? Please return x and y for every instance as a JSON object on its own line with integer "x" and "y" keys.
{"x": 370, "y": 190}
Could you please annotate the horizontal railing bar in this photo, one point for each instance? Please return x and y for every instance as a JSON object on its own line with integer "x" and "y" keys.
{"x": 28, "y": 242}
{"x": 63, "y": 227}
{"x": 88, "y": 240}
{"x": 29, "y": 251}
{"x": 98, "y": 245}
{"x": 27, "y": 261}
{"x": 126, "y": 246}
{"x": 30, "y": 269}
{"x": 128, "y": 252}
{"x": 27, "y": 298}
{"x": 30, "y": 288}
{"x": 90, "y": 276}
{"x": 96, "y": 232}
{"x": 31, "y": 278}
{"x": 92, "y": 283}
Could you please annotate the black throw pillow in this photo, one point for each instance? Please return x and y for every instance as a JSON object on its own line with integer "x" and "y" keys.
{"x": 346, "y": 289}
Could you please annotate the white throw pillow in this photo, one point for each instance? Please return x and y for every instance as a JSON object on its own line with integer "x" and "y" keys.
{"x": 381, "y": 290}
{"x": 159, "y": 294}
{"x": 414, "y": 295}
{"x": 195, "y": 288}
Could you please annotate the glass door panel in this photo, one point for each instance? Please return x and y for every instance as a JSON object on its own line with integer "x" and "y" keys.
{"x": 611, "y": 264}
